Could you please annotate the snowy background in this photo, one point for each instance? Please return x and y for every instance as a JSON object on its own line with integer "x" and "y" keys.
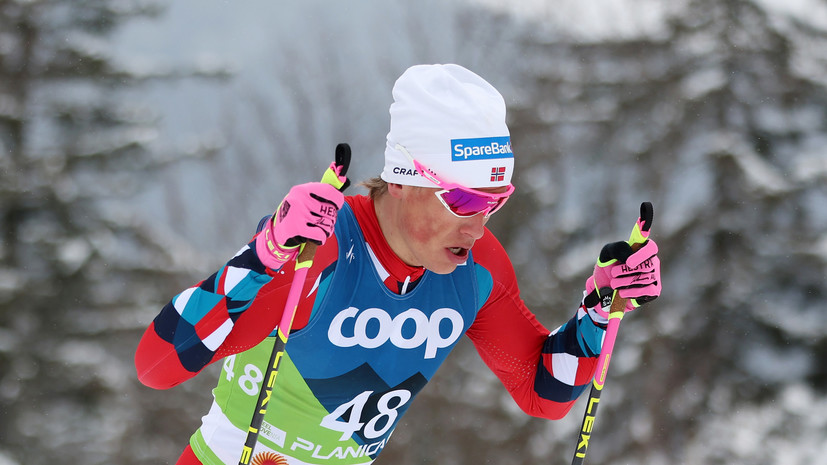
{"x": 140, "y": 142}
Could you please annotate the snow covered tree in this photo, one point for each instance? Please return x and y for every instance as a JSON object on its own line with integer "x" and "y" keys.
{"x": 716, "y": 116}
{"x": 719, "y": 119}
{"x": 78, "y": 268}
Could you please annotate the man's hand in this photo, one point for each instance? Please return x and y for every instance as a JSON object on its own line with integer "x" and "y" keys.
{"x": 307, "y": 213}
{"x": 633, "y": 275}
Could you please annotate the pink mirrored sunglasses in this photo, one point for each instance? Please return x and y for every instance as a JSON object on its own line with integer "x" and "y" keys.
{"x": 461, "y": 201}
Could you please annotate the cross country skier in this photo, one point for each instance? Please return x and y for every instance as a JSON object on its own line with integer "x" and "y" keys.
{"x": 398, "y": 277}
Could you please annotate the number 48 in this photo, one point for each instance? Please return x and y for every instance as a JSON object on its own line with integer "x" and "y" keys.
{"x": 354, "y": 422}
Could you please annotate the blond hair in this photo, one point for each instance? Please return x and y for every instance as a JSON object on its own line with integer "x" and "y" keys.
{"x": 377, "y": 187}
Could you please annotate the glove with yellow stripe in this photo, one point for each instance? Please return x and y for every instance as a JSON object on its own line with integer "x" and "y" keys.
{"x": 622, "y": 271}
{"x": 307, "y": 214}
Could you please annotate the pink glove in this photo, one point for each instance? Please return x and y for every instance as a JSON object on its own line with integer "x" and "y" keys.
{"x": 307, "y": 213}
{"x": 634, "y": 275}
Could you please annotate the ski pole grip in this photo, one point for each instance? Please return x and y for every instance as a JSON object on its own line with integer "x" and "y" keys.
{"x": 619, "y": 303}
{"x": 640, "y": 234}
{"x": 335, "y": 176}
{"x": 306, "y": 255}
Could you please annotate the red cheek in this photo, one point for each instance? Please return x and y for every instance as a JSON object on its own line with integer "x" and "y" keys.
{"x": 423, "y": 220}
{"x": 421, "y": 231}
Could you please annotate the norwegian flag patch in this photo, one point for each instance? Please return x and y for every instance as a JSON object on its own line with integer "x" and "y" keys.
{"x": 498, "y": 173}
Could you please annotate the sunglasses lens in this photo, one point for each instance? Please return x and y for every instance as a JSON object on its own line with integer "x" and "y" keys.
{"x": 464, "y": 203}
{"x": 500, "y": 203}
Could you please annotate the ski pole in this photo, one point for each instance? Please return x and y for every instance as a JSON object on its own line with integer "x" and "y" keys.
{"x": 303, "y": 263}
{"x": 639, "y": 235}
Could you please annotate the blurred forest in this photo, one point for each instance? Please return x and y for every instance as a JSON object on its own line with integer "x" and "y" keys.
{"x": 125, "y": 180}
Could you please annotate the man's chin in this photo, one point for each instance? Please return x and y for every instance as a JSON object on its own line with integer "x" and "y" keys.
{"x": 442, "y": 268}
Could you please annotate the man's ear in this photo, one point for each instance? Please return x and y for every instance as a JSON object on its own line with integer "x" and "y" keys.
{"x": 395, "y": 190}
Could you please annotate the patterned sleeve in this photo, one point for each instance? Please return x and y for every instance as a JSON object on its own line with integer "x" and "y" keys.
{"x": 543, "y": 371}
{"x": 229, "y": 312}
{"x": 188, "y": 331}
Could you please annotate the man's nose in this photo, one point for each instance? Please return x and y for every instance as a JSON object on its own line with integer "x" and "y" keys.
{"x": 474, "y": 226}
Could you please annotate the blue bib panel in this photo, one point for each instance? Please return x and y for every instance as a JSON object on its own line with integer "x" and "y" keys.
{"x": 366, "y": 351}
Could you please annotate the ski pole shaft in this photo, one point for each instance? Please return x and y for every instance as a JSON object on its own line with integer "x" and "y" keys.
{"x": 599, "y": 380}
{"x": 303, "y": 263}
{"x": 618, "y": 308}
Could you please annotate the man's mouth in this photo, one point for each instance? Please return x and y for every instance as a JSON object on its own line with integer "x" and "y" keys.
{"x": 459, "y": 251}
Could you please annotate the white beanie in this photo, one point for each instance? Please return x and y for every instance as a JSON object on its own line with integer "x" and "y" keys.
{"x": 453, "y": 122}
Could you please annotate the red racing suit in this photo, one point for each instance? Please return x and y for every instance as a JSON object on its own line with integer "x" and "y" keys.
{"x": 236, "y": 308}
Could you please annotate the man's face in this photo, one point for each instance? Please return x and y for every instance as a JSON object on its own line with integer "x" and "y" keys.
{"x": 427, "y": 234}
